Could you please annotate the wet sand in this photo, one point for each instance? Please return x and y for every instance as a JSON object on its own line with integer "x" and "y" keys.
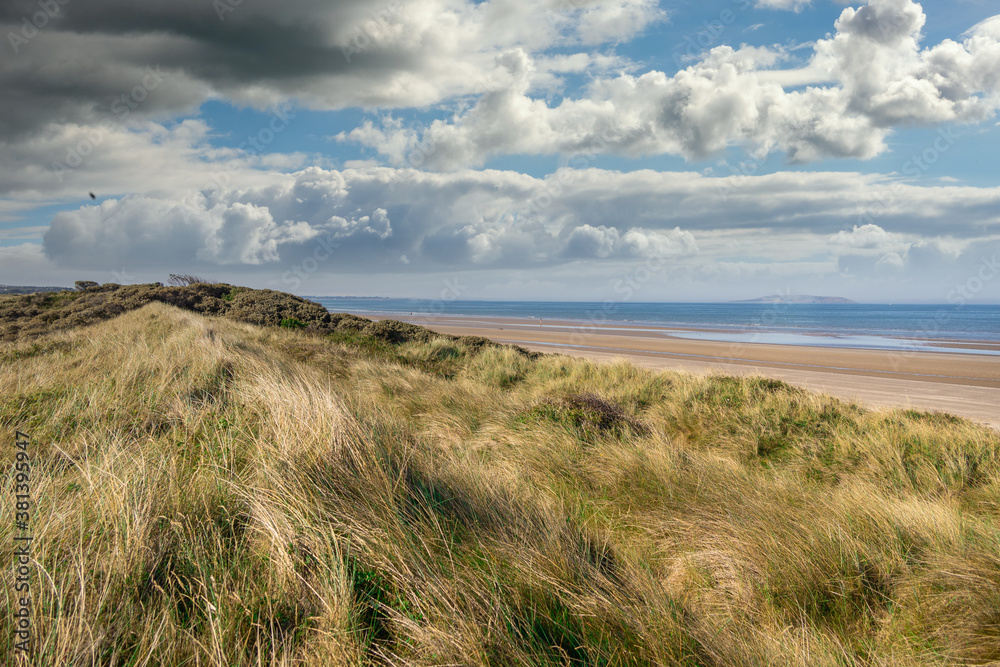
{"x": 963, "y": 384}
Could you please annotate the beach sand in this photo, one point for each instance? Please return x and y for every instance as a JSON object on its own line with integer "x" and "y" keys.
{"x": 962, "y": 384}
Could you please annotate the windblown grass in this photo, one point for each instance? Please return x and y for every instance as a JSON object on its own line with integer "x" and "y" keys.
{"x": 209, "y": 492}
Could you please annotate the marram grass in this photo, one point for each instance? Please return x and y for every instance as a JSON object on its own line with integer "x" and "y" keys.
{"x": 214, "y": 493}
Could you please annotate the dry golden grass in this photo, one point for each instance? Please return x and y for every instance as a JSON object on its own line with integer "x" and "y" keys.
{"x": 214, "y": 493}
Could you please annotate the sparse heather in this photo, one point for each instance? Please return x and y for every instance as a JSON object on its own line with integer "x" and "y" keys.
{"x": 24, "y": 317}
{"x": 213, "y": 492}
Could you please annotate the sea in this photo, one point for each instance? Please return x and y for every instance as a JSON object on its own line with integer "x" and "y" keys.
{"x": 863, "y": 326}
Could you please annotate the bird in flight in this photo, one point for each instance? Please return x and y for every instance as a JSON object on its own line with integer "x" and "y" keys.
{"x": 93, "y": 196}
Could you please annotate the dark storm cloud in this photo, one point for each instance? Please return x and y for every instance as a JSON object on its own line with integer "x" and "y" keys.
{"x": 90, "y": 53}
{"x": 69, "y": 64}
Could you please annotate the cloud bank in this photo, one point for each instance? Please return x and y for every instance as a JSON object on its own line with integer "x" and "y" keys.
{"x": 371, "y": 219}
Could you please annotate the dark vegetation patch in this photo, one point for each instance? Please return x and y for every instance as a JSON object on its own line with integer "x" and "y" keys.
{"x": 588, "y": 414}
{"x": 32, "y": 315}
{"x": 391, "y": 331}
{"x": 23, "y": 317}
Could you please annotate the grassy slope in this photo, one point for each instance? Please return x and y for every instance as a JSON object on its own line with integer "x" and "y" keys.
{"x": 24, "y": 317}
{"x": 212, "y": 492}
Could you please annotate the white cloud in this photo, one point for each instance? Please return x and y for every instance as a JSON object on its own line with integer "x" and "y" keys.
{"x": 890, "y": 263}
{"x": 367, "y": 219}
{"x": 638, "y": 242}
{"x": 587, "y": 242}
{"x": 69, "y": 161}
{"x": 793, "y": 5}
{"x": 879, "y": 79}
{"x": 403, "y": 231}
{"x": 468, "y": 219}
{"x": 618, "y": 21}
{"x": 867, "y": 236}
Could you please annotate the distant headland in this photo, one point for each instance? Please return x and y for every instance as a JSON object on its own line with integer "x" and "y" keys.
{"x": 798, "y": 298}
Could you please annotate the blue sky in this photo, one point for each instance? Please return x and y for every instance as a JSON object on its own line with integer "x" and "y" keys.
{"x": 530, "y": 149}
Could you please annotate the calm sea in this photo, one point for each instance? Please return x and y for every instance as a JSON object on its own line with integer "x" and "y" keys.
{"x": 846, "y": 325}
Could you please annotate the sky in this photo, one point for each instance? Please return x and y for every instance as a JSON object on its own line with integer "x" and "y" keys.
{"x": 598, "y": 150}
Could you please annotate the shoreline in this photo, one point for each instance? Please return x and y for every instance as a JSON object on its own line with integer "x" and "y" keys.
{"x": 678, "y": 329}
{"x": 965, "y": 383}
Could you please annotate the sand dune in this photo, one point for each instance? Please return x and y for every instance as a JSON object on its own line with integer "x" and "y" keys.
{"x": 965, "y": 384}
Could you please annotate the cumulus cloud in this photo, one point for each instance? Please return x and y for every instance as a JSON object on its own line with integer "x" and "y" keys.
{"x": 404, "y": 231}
{"x": 588, "y": 242}
{"x": 638, "y": 242}
{"x": 601, "y": 242}
{"x": 870, "y": 77}
{"x": 933, "y": 261}
{"x": 869, "y": 249}
{"x": 867, "y": 237}
{"x": 367, "y": 220}
{"x": 600, "y": 23}
{"x": 472, "y": 219}
{"x": 890, "y": 262}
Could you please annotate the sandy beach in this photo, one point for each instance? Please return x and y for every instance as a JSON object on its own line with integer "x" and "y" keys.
{"x": 964, "y": 384}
